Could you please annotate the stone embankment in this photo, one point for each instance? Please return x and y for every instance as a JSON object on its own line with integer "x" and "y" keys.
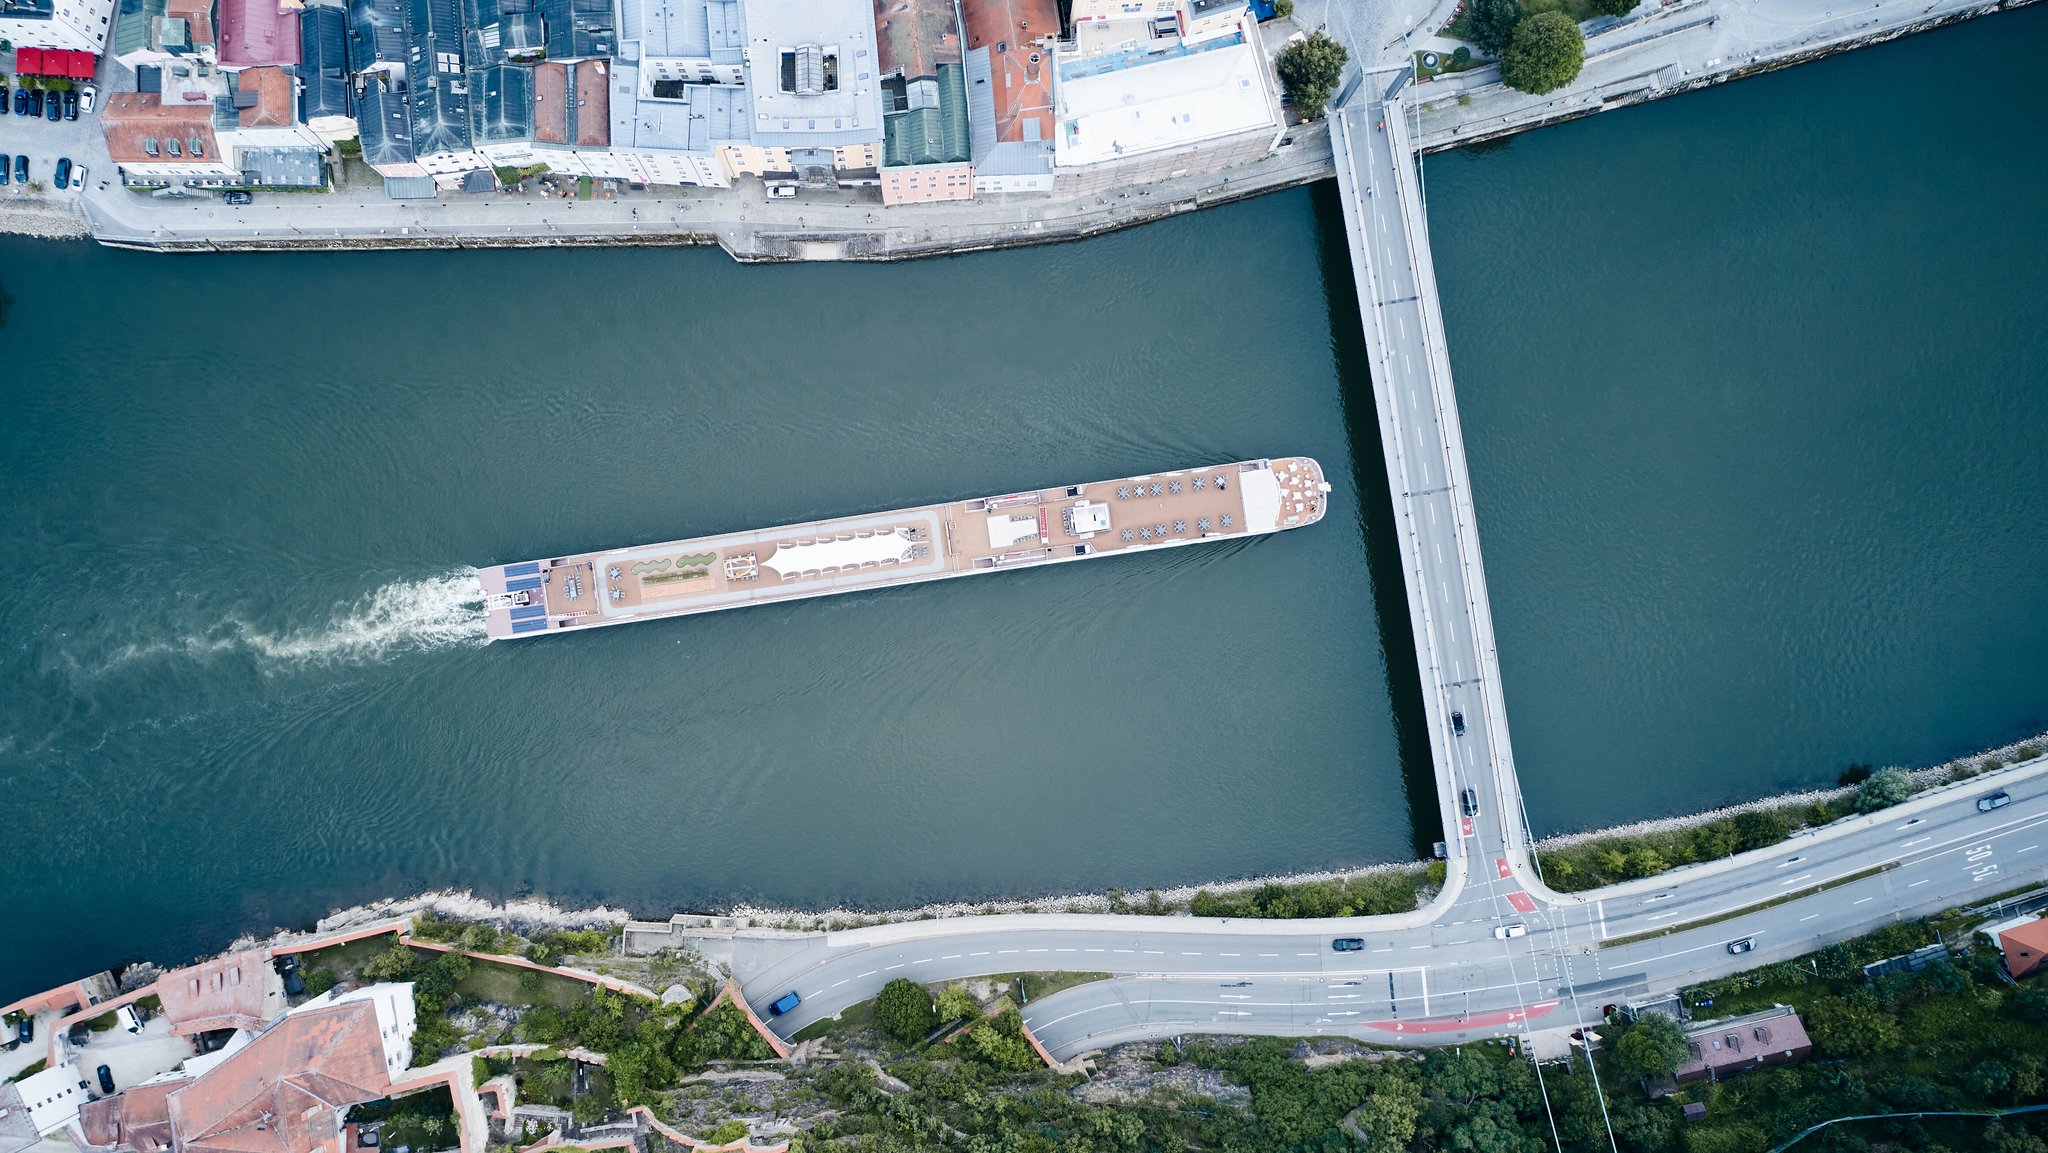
{"x": 29, "y": 215}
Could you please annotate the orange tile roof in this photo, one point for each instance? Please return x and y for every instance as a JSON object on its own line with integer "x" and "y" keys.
{"x": 274, "y": 97}
{"x": 138, "y": 1119}
{"x": 226, "y": 992}
{"x": 914, "y": 37}
{"x": 197, "y": 14}
{"x": 282, "y": 1093}
{"x": 551, "y": 102}
{"x": 2026, "y": 947}
{"x": 1022, "y": 88}
{"x": 593, "y": 105}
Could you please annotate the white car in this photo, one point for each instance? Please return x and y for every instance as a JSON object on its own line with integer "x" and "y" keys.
{"x": 87, "y": 97}
{"x": 1505, "y": 932}
{"x": 78, "y": 177}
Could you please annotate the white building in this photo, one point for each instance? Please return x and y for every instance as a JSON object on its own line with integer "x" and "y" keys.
{"x": 78, "y": 25}
{"x": 40, "y": 1103}
{"x": 1129, "y": 89}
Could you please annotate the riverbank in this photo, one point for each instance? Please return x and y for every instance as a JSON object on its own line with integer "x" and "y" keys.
{"x": 24, "y": 215}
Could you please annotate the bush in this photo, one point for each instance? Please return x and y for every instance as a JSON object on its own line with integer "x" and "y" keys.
{"x": 319, "y": 981}
{"x": 1651, "y": 1049}
{"x": 726, "y": 1133}
{"x": 1885, "y": 788}
{"x": 1612, "y": 7}
{"x": 1310, "y": 68}
{"x": 957, "y": 1004}
{"x": 999, "y": 1040}
{"x": 1545, "y": 55}
{"x": 1283, "y": 8}
{"x": 904, "y": 1011}
{"x": 1760, "y": 828}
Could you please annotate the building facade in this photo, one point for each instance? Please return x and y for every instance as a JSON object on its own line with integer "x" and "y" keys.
{"x": 76, "y": 25}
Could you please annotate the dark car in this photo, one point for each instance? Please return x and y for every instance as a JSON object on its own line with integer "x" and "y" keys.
{"x": 6, "y": 169}
{"x": 1348, "y": 944}
{"x": 1743, "y": 945}
{"x": 106, "y": 1079}
{"x": 1997, "y": 800}
{"x": 21, "y": 102}
{"x": 25, "y": 1031}
{"x": 237, "y": 197}
{"x": 784, "y": 1004}
{"x": 70, "y": 105}
{"x": 1457, "y": 722}
{"x": 56, "y": 108}
{"x": 293, "y": 983}
{"x": 1468, "y": 800}
{"x": 35, "y": 102}
{"x": 78, "y": 1035}
{"x": 21, "y": 168}
{"x": 63, "y": 176}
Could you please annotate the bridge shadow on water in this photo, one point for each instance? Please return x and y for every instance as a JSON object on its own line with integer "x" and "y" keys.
{"x": 1376, "y": 521}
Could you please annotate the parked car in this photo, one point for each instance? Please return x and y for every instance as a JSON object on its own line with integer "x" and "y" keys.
{"x": 78, "y": 177}
{"x": 3, "y": 94}
{"x": 25, "y": 1031}
{"x": 1997, "y": 800}
{"x": 56, "y": 108}
{"x": 6, "y": 169}
{"x": 70, "y": 104}
{"x": 63, "y": 177}
{"x": 1458, "y": 722}
{"x": 21, "y": 168}
{"x": 1468, "y": 801}
{"x": 782, "y": 192}
{"x": 784, "y": 1004}
{"x": 21, "y": 102}
{"x": 35, "y": 102}
{"x": 237, "y": 197}
{"x": 106, "y": 1080}
{"x": 1505, "y": 932}
{"x": 87, "y": 97}
{"x": 1348, "y": 944}
{"x": 79, "y": 1035}
{"x": 1742, "y": 945}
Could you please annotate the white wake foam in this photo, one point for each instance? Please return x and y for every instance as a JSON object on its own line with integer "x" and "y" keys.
{"x": 401, "y": 617}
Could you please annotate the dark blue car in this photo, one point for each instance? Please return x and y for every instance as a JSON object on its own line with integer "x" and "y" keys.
{"x": 21, "y": 168}
{"x": 787, "y": 1002}
{"x": 21, "y": 102}
{"x": 6, "y": 169}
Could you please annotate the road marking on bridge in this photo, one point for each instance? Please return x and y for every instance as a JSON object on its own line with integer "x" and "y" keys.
{"x": 1185, "y": 953}
{"x": 1864, "y": 900}
{"x": 999, "y": 952}
{"x": 950, "y": 957}
{"x": 1919, "y": 883}
{"x": 1809, "y": 916}
{"x": 1124, "y": 950}
{"x": 1796, "y": 880}
{"x": 983, "y": 953}
{"x": 1269, "y": 954}
{"x": 1155, "y": 952}
{"x": 922, "y": 961}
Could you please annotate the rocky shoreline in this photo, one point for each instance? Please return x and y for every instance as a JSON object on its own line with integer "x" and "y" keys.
{"x": 23, "y": 215}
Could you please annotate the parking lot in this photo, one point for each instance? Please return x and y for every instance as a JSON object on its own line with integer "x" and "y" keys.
{"x": 44, "y": 143}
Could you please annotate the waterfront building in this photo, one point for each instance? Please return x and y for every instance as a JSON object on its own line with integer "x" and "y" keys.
{"x": 152, "y": 32}
{"x": 1163, "y": 92}
{"x": 677, "y": 92}
{"x": 257, "y": 33}
{"x": 154, "y": 140}
{"x": 39, "y": 1104}
{"x": 70, "y": 25}
{"x": 813, "y": 93}
{"x": 925, "y": 150}
{"x": 326, "y": 106}
{"x": 1009, "y": 92}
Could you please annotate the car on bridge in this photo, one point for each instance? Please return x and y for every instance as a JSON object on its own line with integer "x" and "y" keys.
{"x": 1348, "y": 944}
{"x": 1469, "y": 802}
{"x": 1458, "y": 722}
{"x": 1997, "y": 800}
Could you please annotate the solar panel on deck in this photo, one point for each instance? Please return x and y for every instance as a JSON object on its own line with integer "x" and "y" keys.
{"x": 527, "y": 569}
{"x": 528, "y": 612}
{"x": 522, "y": 585}
{"x": 528, "y": 626}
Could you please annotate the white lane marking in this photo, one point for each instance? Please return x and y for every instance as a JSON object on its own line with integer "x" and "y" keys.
{"x": 1155, "y": 952}
{"x": 1001, "y": 951}
{"x": 1404, "y": 327}
{"x": 1809, "y": 916}
{"x": 1439, "y": 552}
{"x": 1915, "y": 841}
{"x": 1795, "y": 880}
{"x": 1662, "y": 916}
{"x": 1863, "y": 901}
{"x": 869, "y": 973}
{"x": 922, "y": 961}
{"x": 1345, "y": 1013}
{"x": 888, "y": 968}
{"x": 1432, "y": 514}
{"x": 1123, "y": 950}
{"x": 836, "y": 984}
{"x": 1388, "y": 949}
{"x": 1037, "y": 950}
{"x": 1062, "y": 950}
{"x": 1186, "y": 954}
{"x": 1304, "y": 954}
{"x": 1269, "y": 954}
{"x": 1091, "y": 950}
{"x": 1226, "y": 954}
{"x": 2027, "y": 849}
{"x": 950, "y": 957}
{"x": 983, "y": 953}
{"x": 1919, "y": 883}
{"x": 1413, "y": 947}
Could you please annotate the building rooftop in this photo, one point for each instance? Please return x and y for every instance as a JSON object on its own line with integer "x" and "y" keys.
{"x": 383, "y": 121}
{"x": 376, "y": 33}
{"x": 1166, "y": 103}
{"x": 501, "y": 104}
{"x": 2025, "y": 944}
{"x": 924, "y": 87}
{"x": 228, "y": 992}
{"x": 812, "y": 74}
{"x": 712, "y": 30}
{"x": 198, "y": 18}
{"x": 437, "y": 89}
{"x": 254, "y": 33}
{"x": 138, "y": 1118}
{"x": 274, "y": 92}
{"x": 140, "y": 128}
{"x": 593, "y": 110}
{"x": 1008, "y": 71}
{"x": 551, "y": 102}
{"x": 17, "y": 1131}
{"x": 323, "y": 63}
{"x": 283, "y": 1091}
{"x": 1768, "y": 1038}
{"x": 698, "y": 118}
{"x": 579, "y": 29}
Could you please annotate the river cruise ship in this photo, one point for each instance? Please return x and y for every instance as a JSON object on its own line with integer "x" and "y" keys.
{"x": 847, "y": 554}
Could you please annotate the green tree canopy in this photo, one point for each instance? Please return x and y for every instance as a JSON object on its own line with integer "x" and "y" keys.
{"x": 1653, "y": 1047}
{"x": 904, "y": 1011}
{"x": 1760, "y": 827}
{"x": 1883, "y": 789}
{"x": 1545, "y": 54}
{"x": 1493, "y": 24}
{"x": 1612, "y": 7}
{"x": 1310, "y": 68}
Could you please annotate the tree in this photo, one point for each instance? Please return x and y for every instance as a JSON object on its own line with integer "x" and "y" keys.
{"x": 1310, "y": 68}
{"x": 1612, "y": 7}
{"x": 1493, "y": 24}
{"x": 956, "y": 1004}
{"x": 1389, "y": 1115}
{"x": 1645, "y": 861}
{"x": 1760, "y": 827}
{"x": 1545, "y": 54}
{"x": 1652, "y": 1048}
{"x": 1885, "y": 788}
{"x": 904, "y": 1011}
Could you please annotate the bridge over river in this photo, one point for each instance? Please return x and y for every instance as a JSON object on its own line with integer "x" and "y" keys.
{"x": 1497, "y": 952}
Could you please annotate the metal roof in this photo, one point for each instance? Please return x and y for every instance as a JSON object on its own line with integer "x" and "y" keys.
{"x": 934, "y": 129}
{"x": 382, "y": 121}
{"x": 501, "y": 104}
{"x": 438, "y": 98}
{"x": 323, "y": 63}
{"x": 579, "y": 28}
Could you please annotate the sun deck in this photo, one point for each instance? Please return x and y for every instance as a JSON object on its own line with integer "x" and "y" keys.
{"x": 846, "y": 554}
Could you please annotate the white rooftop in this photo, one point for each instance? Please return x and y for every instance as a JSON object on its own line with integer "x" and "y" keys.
{"x": 53, "y": 1096}
{"x": 1172, "y": 103}
{"x": 812, "y": 73}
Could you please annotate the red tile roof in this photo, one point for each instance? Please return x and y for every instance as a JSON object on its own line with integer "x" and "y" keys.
{"x": 593, "y": 104}
{"x": 2026, "y": 947}
{"x": 1021, "y": 87}
{"x": 274, "y": 98}
{"x": 128, "y": 120}
{"x": 226, "y": 992}
{"x": 257, "y": 32}
{"x": 197, "y": 15}
{"x": 283, "y": 1092}
{"x": 551, "y": 102}
{"x": 137, "y": 1118}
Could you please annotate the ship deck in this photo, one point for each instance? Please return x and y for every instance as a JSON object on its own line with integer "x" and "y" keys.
{"x": 845, "y": 554}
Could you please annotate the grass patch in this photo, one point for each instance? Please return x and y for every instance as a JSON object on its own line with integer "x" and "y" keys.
{"x": 31, "y": 1071}
{"x": 851, "y": 1022}
{"x": 511, "y": 985}
{"x": 1446, "y": 63}
{"x": 1037, "y": 985}
{"x": 584, "y": 188}
{"x": 424, "y": 1120}
{"x": 1746, "y": 910}
{"x": 347, "y": 959}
